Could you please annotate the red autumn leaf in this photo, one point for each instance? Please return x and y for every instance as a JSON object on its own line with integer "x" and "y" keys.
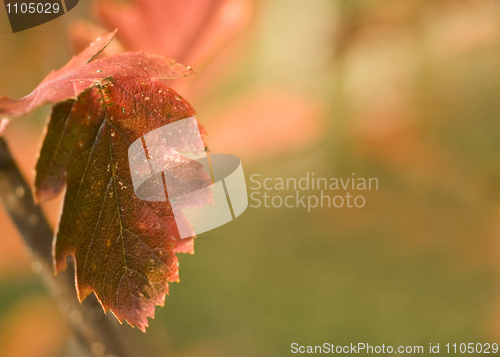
{"x": 123, "y": 247}
{"x": 79, "y": 74}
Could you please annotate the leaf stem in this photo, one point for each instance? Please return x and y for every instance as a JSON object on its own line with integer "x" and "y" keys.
{"x": 98, "y": 334}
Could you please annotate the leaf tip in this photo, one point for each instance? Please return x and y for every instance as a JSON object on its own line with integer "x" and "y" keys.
{"x": 3, "y": 124}
{"x": 41, "y": 195}
{"x": 102, "y": 42}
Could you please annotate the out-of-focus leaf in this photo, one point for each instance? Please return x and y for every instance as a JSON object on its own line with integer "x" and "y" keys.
{"x": 191, "y": 31}
{"x": 267, "y": 123}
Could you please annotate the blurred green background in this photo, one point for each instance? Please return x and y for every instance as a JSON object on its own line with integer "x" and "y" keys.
{"x": 406, "y": 92}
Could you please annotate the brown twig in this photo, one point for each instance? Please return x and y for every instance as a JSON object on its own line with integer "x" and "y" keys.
{"x": 98, "y": 334}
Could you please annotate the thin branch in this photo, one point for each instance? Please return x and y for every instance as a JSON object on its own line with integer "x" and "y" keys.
{"x": 98, "y": 334}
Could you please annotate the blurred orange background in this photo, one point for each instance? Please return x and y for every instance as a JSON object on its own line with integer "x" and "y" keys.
{"x": 402, "y": 91}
